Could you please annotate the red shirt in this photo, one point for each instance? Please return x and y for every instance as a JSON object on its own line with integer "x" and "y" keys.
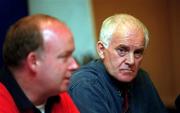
{"x": 13, "y": 100}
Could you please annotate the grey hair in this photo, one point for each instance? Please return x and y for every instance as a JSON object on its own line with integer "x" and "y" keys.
{"x": 110, "y": 25}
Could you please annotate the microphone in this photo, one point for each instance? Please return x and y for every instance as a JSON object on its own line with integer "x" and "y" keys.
{"x": 177, "y": 103}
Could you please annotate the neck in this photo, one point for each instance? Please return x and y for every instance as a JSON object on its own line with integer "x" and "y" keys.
{"x": 28, "y": 85}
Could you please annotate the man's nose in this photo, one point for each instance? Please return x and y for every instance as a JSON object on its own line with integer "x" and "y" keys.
{"x": 73, "y": 65}
{"x": 130, "y": 58}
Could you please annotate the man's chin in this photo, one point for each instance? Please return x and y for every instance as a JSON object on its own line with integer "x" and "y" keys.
{"x": 64, "y": 88}
{"x": 127, "y": 78}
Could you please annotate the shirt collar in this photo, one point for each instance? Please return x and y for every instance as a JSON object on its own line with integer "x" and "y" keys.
{"x": 22, "y": 102}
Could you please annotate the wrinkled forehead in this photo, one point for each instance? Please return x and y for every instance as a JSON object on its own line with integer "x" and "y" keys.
{"x": 128, "y": 35}
{"x": 130, "y": 26}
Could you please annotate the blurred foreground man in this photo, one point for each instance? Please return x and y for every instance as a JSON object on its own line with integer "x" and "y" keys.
{"x": 38, "y": 62}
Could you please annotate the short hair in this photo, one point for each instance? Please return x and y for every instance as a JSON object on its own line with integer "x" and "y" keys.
{"x": 110, "y": 25}
{"x": 24, "y": 37}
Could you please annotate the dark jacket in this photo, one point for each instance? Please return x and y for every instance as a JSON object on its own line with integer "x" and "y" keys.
{"x": 95, "y": 91}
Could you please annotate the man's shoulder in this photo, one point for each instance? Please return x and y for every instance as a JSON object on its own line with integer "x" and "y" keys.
{"x": 66, "y": 104}
{"x": 7, "y": 101}
{"x": 87, "y": 73}
{"x": 65, "y": 98}
{"x": 142, "y": 71}
{"x": 143, "y": 80}
{"x": 84, "y": 77}
{"x": 5, "y": 94}
{"x": 142, "y": 74}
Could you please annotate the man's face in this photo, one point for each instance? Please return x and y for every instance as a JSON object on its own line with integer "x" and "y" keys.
{"x": 124, "y": 55}
{"x": 56, "y": 63}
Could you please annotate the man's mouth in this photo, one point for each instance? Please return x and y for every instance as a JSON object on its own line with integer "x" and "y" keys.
{"x": 127, "y": 70}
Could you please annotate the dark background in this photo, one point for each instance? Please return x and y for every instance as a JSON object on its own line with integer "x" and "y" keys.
{"x": 10, "y": 11}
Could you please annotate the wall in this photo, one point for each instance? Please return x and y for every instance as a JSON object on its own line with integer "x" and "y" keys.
{"x": 175, "y": 34}
{"x": 77, "y": 15}
{"x": 161, "y": 56}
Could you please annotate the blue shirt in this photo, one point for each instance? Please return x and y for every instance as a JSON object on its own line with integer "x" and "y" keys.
{"x": 95, "y": 91}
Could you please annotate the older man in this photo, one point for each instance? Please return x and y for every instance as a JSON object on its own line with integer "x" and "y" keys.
{"x": 115, "y": 83}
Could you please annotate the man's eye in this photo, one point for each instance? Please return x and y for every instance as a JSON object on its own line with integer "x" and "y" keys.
{"x": 138, "y": 53}
{"x": 121, "y": 51}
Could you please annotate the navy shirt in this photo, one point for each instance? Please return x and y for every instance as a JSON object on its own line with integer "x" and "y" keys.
{"x": 95, "y": 91}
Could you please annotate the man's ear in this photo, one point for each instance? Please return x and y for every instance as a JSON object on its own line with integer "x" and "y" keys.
{"x": 32, "y": 61}
{"x": 100, "y": 49}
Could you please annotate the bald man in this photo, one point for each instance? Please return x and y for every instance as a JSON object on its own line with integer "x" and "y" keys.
{"x": 38, "y": 63}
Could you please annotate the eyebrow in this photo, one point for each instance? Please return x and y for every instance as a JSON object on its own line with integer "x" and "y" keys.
{"x": 126, "y": 46}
